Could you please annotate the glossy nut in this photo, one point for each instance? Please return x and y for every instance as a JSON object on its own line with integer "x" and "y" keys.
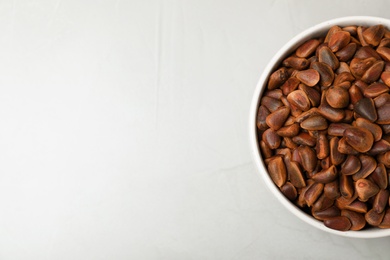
{"x": 313, "y": 193}
{"x": 380, "y": 147}
{"x": 336, "y": 157}
{"x": 339, "y": 40}
{"x": 374, "y": 218}
{"x": 357, "y": 206}
{"x": 266, "y": 151}
{"x": 340, "y": 223}
{"x": 373, "y": 73}
{"x": 277, "y": 78}
{"x": 355, "y": 94}
{"x": 351, "y": 165}
{"x": 300, "y": 201}
{"x": 345, "y": 148}
{"x": 375, "y": 129}
{"x": 382, "y": 99}
{"x": 346, "y": 53}
{"x": 375, "y": 89}
{"x": 313, "y": 95}
{"x": 337, "y": 129}
{"x": 271, "y": 104}
{"x": 295, "y": 156}
{"x": 305, "y": 115}
{"x": 262, "y": 114}
{"x": 359, "y": 138}
{"x": 365, "y": 52}
{"x": 343, "y": 77}
{"x": 308, "y": 157}
{"x": 368, "y": 163}
{"x": 290, "y": 85}
{"x": 373, "y": 34}
{"x": 304, "y": 139}
{"x": 379, "y": 176}
{"x": 297, "y": 63}
{"x": 365, "y": 107}
{"x": 289, "y": 191}
{"x": 330, "y": 212}
{"x": 359, "y": 32}
{"x": 346, "y": 186}
{"x": 326, "y": 175}
{"x": 331, "y": 31}
{"x": 337, "y": 97}
{"x": 359, "y": 66}
{"x": 365, "y": 189}
{"x": 277, "y": 171}
{"x": 315, "y": 123}
{"x": 276, "y": 119}
{"x": 295, "y": 175}
{"x": 271, "y": 138}
{"x": 275, "y": 93}
{"x": 384, "y": 52}
{"x": 289, "y": 131}
{"x": 381, "y": 201}
{"x": 322, "y": 203}
{"x": 310, "y": 77}
{"x": 307, "y": 48}
{"x": 299, "y": 99}
{"x": 325, "y": 71}
{"x": 357, "y": 220}
{"x": 322, "y": 147}
{"x": 327, "y": 56}
{"x": 383, "y": 114}
{"x": 332, "y": 190}
{"x": 330, "y": 113}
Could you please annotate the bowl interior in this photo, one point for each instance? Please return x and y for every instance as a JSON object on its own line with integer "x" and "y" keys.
{"x": 312, "y": 32}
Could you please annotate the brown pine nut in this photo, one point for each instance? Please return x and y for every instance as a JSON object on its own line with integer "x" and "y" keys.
{"x": 323, "y": 125}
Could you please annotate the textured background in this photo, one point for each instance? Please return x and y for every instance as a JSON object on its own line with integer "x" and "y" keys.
{"x": 124, "y": 130}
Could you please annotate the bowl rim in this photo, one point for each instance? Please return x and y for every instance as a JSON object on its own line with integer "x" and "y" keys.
{"x": 293, "y": 43}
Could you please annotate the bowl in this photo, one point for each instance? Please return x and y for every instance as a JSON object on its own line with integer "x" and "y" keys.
{"x": 312, "y": 32}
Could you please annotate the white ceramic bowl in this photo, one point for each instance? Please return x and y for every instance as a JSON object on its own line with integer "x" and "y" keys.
{"x": 315, "y": 31}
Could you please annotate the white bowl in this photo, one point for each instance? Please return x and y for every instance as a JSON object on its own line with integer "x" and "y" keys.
{"x": 313, "y": 32}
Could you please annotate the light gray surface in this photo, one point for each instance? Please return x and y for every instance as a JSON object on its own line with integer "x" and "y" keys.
{"x": 124, "y": 131}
